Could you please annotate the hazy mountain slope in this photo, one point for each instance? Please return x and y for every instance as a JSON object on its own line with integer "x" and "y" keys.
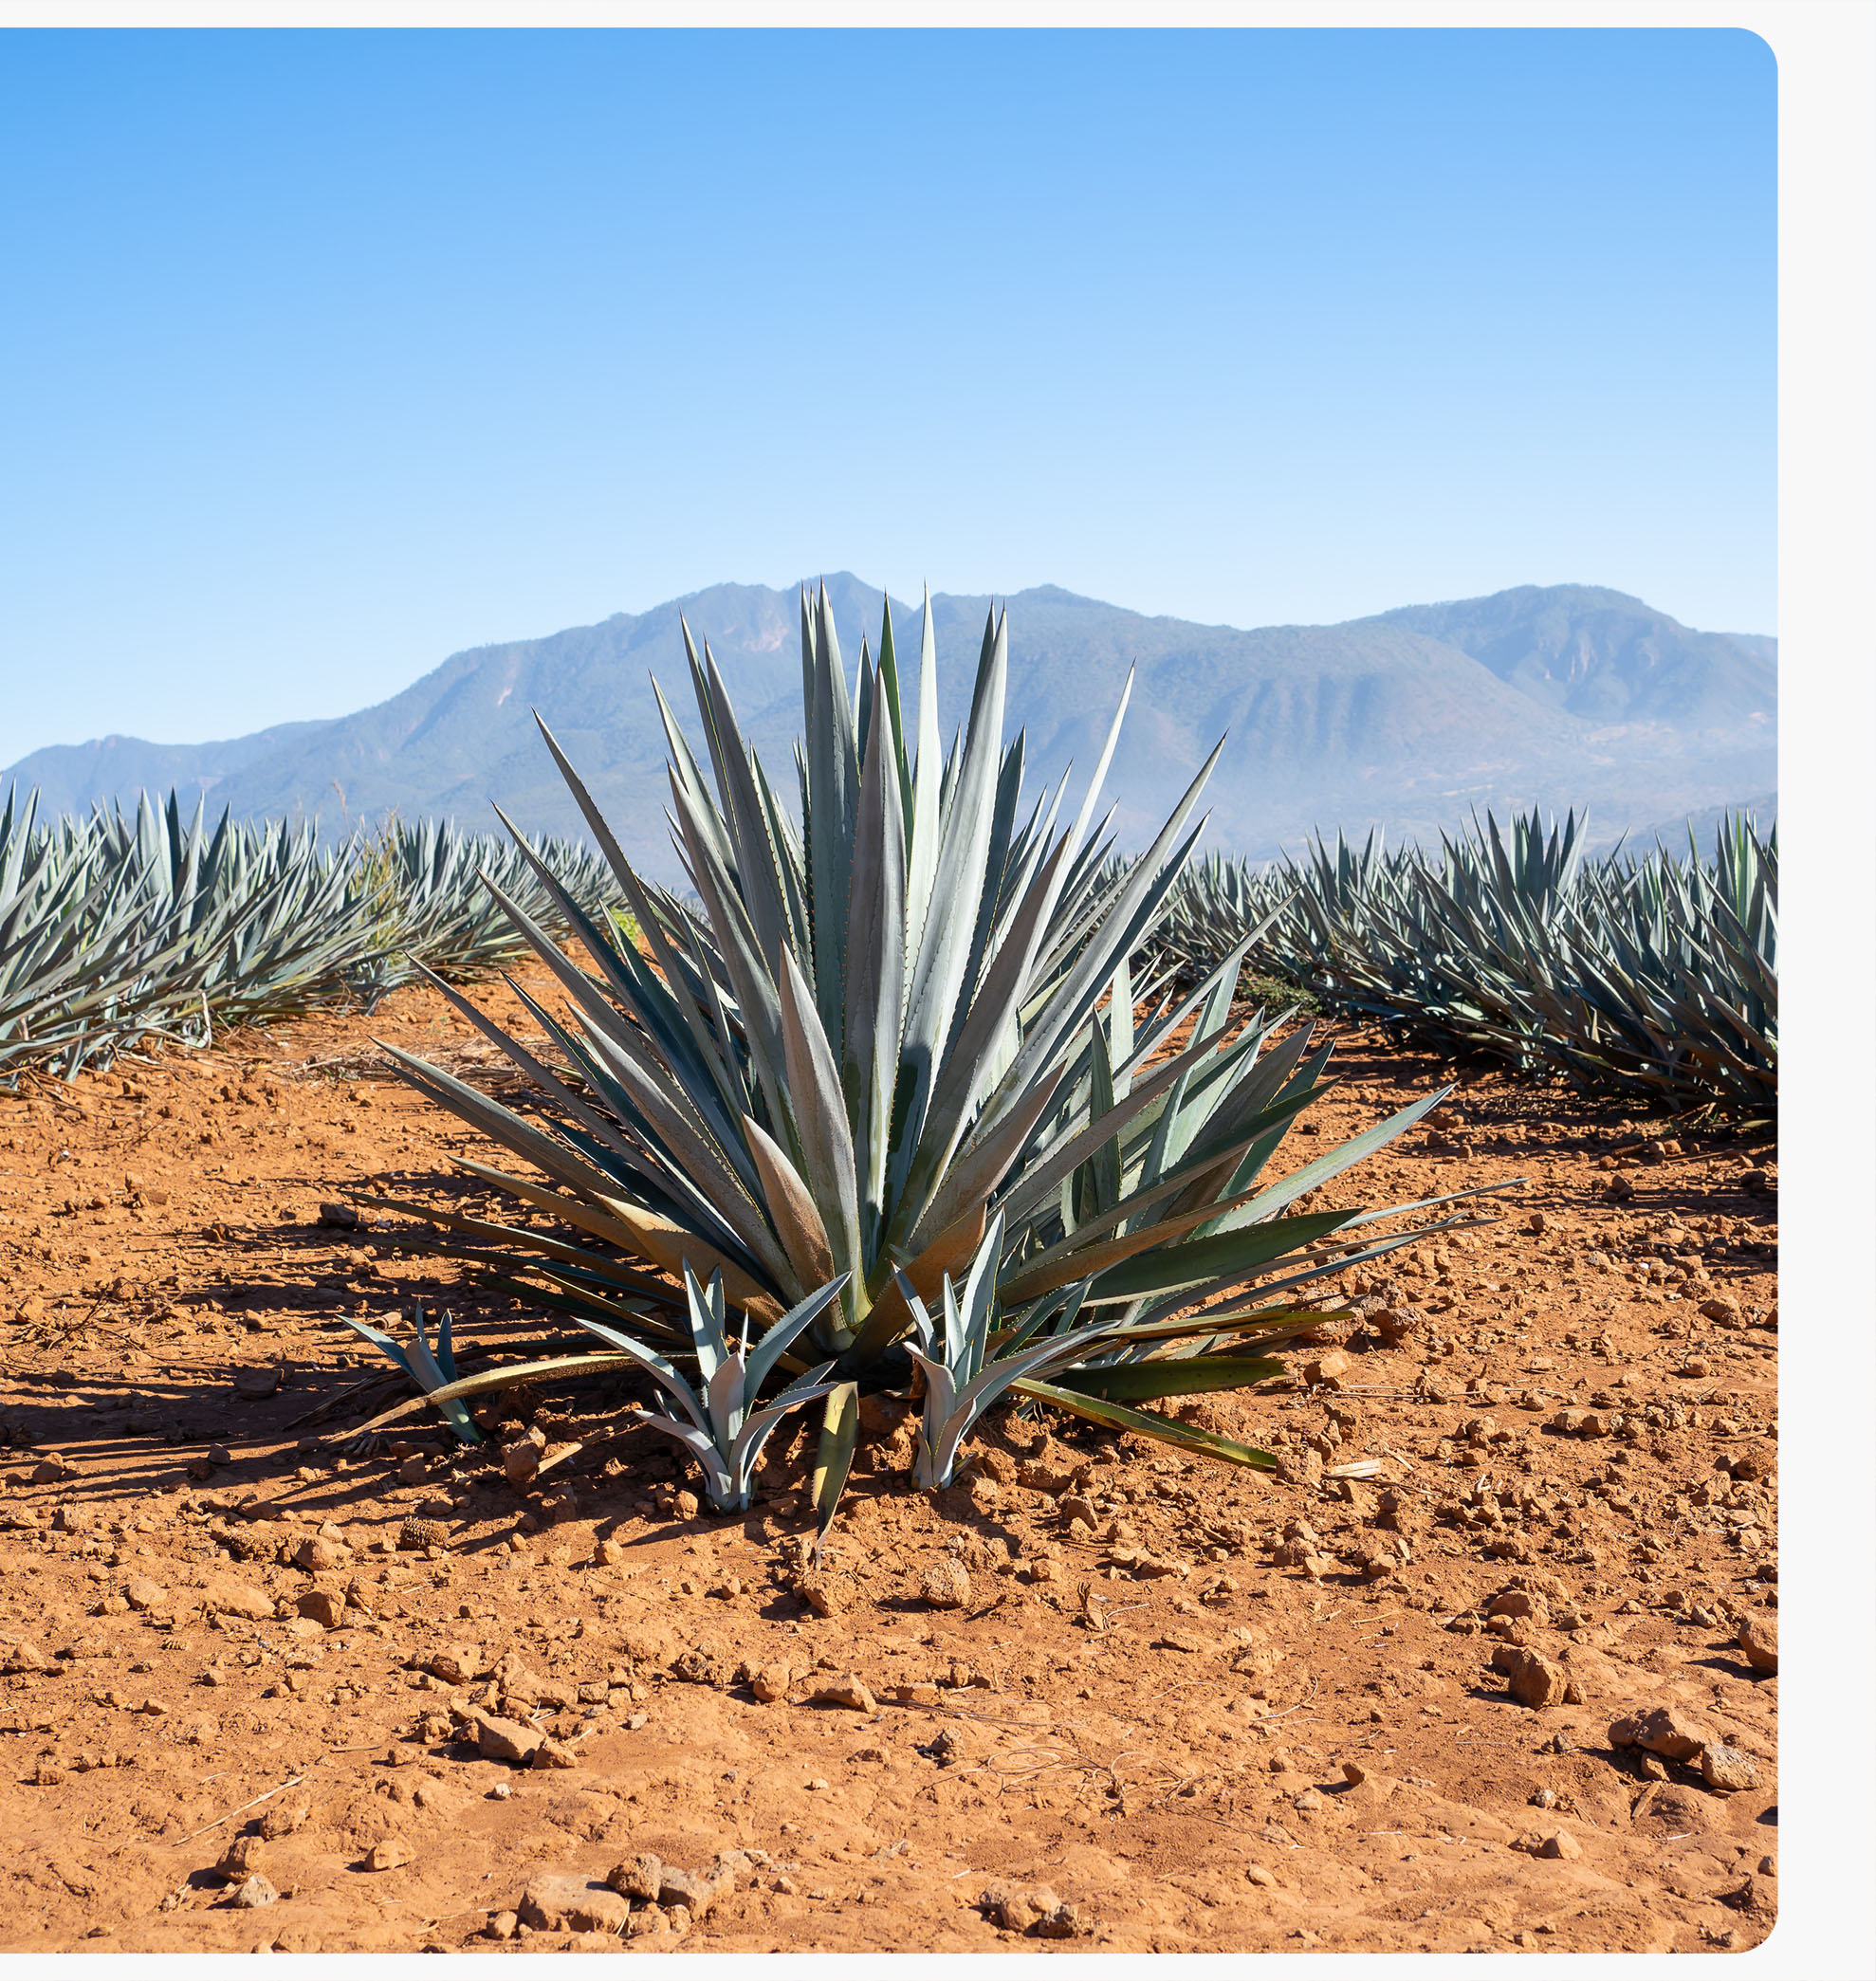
{"x": 74, "y": 777}
{"x": 1606, "y": 657}
{"x": 1407, "y": 718}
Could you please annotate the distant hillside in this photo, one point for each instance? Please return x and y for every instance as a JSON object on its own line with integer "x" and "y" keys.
{"x": 1606, "y": 657}
{"x": 1561, "y": 695}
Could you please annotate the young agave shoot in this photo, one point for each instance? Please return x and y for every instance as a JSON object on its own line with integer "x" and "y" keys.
{"x": 723, "y": 1429}
{"x": 958, "y": 1385}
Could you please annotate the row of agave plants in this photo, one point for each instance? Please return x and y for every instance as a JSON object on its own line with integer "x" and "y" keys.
{"x": 884, "y": 1107}
{"x": 117, "y": 931}
{"x": 1655, "y": 974}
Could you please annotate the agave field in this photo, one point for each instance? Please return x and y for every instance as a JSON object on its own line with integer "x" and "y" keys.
{"x": 116, "y": 933}
{"x": 941, "y": 1097}
{"x": 1649, "y": 973}
{"x": 601, "y": 1416}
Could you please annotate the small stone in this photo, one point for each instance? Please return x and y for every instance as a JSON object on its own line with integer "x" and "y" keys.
{"x": 818, "y": 1781}
{"x": 323, "y": 1607}
{"x": 685, "y": 1505}
{"x": 1032, "y": 1910}
{"x": 242, "y": 1858}
{"x": 608, "y": 1554}
{"x": 1326, "y": 1368}
{"x": 505, "y": 1739}
{"x": 574, "y": 1905}
{"x": 456, "y": 1664}
{"x": 1663, "y": 1729}
{"x": 143, "y": 1594}
{"x": 823, "y": 1594}
{"x": 1308, "y": 1802}
{"x": 849, "y": 1690}
{"x": 282, "y": 1820}
{"x": 1758, "y": 1638}
{"x": 770, "y": 1684}
{"x": 502, "y": 1925}
{"x": 257, "y": 1383}
{"x": 946, "y": 1584}
{"x": 226, "y": 1597}
{"x": 388, "y": 1856}
{"x": 255, "y": 1892}
{"x": 521, "y": 1461}
{"x": 637, "y": 1876}
{"x": 1532, "y": 1679}
{"x": 1258, "y": 1874}
{"x": 1729, "y": 1769}
{"x": 1755, "y": 1462}
{"x": 1551, "y": 1844}
{"x": 319, "y": 1552}
{"x": 694, "y": 1892}
{"x": 553, "y": 1754}
{"x": 1354, "y": 1773}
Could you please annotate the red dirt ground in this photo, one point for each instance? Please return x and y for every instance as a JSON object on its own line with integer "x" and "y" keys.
{"x": 1210, "y": 1710}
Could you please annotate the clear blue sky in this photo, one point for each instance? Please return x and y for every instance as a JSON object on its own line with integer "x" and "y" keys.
{"x": 323, "y": 354}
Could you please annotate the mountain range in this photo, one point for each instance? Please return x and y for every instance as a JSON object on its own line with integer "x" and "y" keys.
{"x": 1561, "y": 695}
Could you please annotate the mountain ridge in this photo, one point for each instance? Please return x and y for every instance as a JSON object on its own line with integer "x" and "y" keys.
{"x": 1557, "y": 695}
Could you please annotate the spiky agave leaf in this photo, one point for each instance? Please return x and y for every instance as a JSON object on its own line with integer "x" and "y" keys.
{"x": 434, "y": 1373}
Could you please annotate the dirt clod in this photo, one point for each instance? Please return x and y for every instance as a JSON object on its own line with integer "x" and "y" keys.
{"x": 946, "y": 1584}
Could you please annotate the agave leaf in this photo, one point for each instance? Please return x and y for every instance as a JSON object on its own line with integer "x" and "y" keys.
{"x": 923, "y": 823}
{"x": 1228, "y": 1258}
{"x": 500, "y": 1124}
{"x": 1331, "y": 1164}
{"x": 703, "y": 1039}
{"x": 980, "y": 1166}
{"x": 791, "y": 1206}
{"x": 1184, "y": 1436}
{"x": 958, "y": 882}
{"x": 1081, "y": 1256}
{"x": 821, "y": 1120}
{"x": 421, "y": 1366}
{"x": 1142, "y": 1381}
{"x": 782, "y": 1336}
{"x": 834, "y": 1457}
{"x": 755, "y": 865}
{"x": 757, "y": 1426}
{"x": 993, "y": 1013}
{"x": 834, "y": 781}
{"x": 875, "y": 964}
{"x": 511, "y": 1375}
{"x": 668, "y": 1245}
